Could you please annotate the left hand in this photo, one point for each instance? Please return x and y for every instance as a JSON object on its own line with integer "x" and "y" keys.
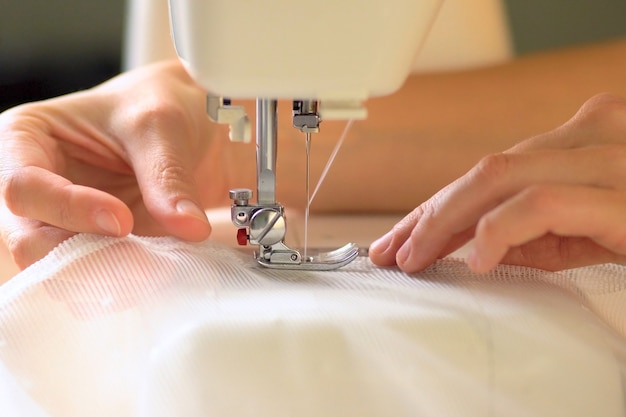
{"x": 136, "y": 153}
{"x": 554, "y": 201}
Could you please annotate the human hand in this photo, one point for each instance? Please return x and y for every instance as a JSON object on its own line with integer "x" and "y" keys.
{"x": 554, "y": 201}
{"x": 124, "y": 156}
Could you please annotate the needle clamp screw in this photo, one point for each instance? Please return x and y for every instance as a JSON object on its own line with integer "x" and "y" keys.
{"x": 240, "y": 196}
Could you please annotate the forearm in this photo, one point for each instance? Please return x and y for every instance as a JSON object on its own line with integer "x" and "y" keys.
{"x": 439, "y": 125}
{"x": 511, "y": 101}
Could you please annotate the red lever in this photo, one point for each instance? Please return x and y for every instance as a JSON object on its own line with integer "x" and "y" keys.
{"x": 242, "y": 237}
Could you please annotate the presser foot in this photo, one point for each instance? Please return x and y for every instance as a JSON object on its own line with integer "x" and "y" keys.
{"x": 264, "y": 225}
{"x": 281, "y": 256}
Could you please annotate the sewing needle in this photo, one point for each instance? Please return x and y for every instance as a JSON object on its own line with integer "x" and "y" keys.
{"x": 308, "y": 201}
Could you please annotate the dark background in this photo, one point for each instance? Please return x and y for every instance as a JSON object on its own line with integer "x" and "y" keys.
{"x": 50, "y": 47}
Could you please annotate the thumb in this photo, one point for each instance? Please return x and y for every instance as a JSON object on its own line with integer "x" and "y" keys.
{"x": 164, "y": 151}
{"x": 170, "y": 193}
{"x": 164, "y": 144}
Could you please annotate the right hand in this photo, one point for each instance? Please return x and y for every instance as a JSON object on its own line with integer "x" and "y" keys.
{"x": 554, "y": 201}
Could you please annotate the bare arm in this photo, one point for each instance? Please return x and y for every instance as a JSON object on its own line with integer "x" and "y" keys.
{"x": 436, "y": 127}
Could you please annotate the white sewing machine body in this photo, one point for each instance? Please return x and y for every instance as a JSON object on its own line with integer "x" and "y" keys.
{"x": 337, "y": 50}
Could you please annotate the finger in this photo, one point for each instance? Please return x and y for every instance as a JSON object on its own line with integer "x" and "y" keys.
{"x": 555, "y": 253}
{"x": 29, "y": 240}
{"x": 163, "y": 156}
{"x": 458, "y": 207}
{"x": 39, "y": 194}
{"x": 567, "y": 211}
{"x": 383, "y": 251}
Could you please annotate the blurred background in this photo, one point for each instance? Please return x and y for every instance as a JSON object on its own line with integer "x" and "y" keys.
{"x": 51, "y": 47}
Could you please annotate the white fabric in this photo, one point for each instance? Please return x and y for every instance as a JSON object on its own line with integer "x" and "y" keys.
{"x": 157, "y": 327}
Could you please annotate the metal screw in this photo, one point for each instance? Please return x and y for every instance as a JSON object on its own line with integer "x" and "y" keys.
{"x": 240, "y": 196}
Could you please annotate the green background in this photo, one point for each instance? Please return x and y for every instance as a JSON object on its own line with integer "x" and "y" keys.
{"x": 539, "y": 24}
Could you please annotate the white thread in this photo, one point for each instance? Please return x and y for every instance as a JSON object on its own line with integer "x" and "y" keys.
{"x": 331, "y": 158}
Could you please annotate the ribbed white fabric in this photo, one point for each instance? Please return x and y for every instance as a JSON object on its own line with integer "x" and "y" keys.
{"x": 157, "y": 327}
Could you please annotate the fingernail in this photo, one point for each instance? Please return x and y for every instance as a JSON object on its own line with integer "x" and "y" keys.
{"x": 403, "y": 254}
{"x": 108, "y": 223}
{"x": 474, "y": 261}
{"x": 190, "y": 208}
{"x": 381, "y": 244}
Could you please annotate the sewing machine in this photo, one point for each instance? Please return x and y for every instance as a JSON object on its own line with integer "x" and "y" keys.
{"x": 328, "y": 56}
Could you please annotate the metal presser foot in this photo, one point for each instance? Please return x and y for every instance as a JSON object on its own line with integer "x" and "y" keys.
{"x": 264, "y": 225}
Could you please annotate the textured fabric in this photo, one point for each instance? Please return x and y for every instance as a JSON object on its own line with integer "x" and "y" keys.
{"x": 157, "y": 327}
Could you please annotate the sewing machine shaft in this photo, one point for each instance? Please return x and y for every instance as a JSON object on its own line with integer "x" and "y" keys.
{"x": 264, "y": 223}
